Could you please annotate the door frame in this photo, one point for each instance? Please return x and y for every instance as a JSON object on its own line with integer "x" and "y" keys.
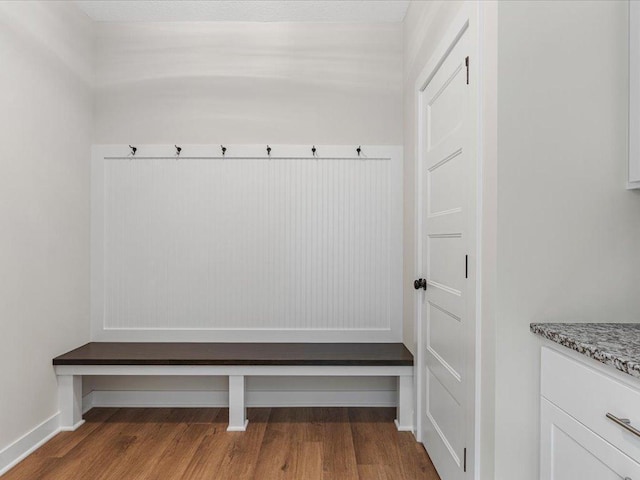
{"x": 469, "y": 15}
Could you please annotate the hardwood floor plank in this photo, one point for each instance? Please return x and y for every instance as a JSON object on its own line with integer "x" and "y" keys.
{"x": 372, "y": 472}
{"x": 111, "y": 452}
{"x": 94, "y": 464}
{"x": 314, "y": 431}
{"x": 81, "y": 454}
{"x": 374, "y": 436}
{"x": 240, "y": 459}
{"x": 194, "y": 415}
{"x": 278, "y": 457}
{"x": 339, "y": 460}
{"x": 175, "y": 459}
{"x": 32, "y": 469}
{"x": 310, "y": 456}
{"x": 414, "y": 459}
{"x": 193, "y": 444}
{"x": 64, "y": 442}
{"x": 58, "y": 446}
{"x": 101, "y": 452}
{"x": 144, "y": 453}
{"x": 208, "y": 457}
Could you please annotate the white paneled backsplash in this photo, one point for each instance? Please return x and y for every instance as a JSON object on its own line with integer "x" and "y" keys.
{"x": 247, "y": 247}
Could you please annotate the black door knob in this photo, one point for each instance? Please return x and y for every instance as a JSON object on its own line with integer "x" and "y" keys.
{"x": 421, "y": 283}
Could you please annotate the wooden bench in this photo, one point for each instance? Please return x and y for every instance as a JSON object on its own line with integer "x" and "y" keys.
{"x": 235, "y": 360}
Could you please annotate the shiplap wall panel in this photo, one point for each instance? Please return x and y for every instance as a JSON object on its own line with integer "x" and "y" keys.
{"x": 287, "y": 244}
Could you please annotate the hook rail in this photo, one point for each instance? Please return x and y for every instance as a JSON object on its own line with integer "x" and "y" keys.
{"x": 252, "y": 154}
{"x": 247, "y": 157}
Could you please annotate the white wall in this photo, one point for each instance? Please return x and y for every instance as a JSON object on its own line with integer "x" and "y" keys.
{"x": 44, "y": 203}
{"x": 248, "y": 83}
{"x": 568, "y": 230}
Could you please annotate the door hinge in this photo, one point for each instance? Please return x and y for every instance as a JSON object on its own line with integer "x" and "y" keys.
{"x": 466, "y": 63}
{"x": 466, "y": 266}
{"x": 465, "y": 460}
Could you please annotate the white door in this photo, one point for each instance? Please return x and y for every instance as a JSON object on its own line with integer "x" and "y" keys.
{"x": 447, "y": 258}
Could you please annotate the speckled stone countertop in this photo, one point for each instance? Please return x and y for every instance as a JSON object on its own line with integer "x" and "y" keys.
{"x": 615, "y": 344}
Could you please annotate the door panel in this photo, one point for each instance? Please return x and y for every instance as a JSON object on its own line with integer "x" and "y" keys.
{"x": 448, "y": 185}
{"x": 444, "y": 330}
{"x": 445, "y": 261}
{"x": 444, "y": 190}
{"x": 444, "y": 300}
{"x": 447, "y": 427}
{"x": 447, "y": 377}
{"x": 445, "y": 108}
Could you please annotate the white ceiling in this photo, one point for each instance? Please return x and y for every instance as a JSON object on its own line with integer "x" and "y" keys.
{"x": 347, "y": 11}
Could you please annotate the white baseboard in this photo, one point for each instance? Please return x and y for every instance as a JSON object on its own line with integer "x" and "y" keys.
{"x": 322, "y": 398}
{"x": 152, "y": 398}
{"x": 73, "y": 428}
{"x": 260, "y": 398}
{"x": 28, "y": 443}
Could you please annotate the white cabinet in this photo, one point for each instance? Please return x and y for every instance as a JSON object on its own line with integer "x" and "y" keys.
{"x": 570, "y": 451}
{"x": 634, "y": 95}
{"x": 577, "y": 440}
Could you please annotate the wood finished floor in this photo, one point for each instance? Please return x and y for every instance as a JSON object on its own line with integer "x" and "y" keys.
{"x": 193, "y": 444}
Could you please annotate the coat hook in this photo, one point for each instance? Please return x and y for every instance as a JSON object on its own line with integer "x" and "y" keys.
{"x": 359, "y": 150}
{"x": 313, "y": 150}
{"x": 268, "y": 150}
{"x": 224, "y": 149}
{"x": 133, "y": 150}
{"x": 178, "y": 150}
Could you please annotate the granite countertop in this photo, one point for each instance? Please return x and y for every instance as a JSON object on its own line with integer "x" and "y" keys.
{"x": 615, "y": 344}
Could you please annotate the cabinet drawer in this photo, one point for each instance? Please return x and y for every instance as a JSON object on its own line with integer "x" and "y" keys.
{"x": 588, "y": 395}
{"x": 570, "y": 451}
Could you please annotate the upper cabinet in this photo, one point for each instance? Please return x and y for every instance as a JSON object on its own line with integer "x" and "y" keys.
{"x": 634, "y": 95}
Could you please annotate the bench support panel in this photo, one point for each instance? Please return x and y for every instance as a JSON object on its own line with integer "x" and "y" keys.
{"x": 70, "y": 401}
{"x": 237, "y": 404}
{"x": 404, "y": 415}
{"x": 70, "y": 385}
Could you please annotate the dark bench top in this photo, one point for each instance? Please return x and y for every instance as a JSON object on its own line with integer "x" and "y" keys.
{"x": 347, "y": 354}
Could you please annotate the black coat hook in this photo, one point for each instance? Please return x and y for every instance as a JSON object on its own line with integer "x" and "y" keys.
{"x": 178, "y": 150}
{"x": 268, "y": 150}
{"x": 313, "y": 150}
{"x": 359, "y": 150}
{"x": 224, "y": 149}
{"x": 133, "y": 150}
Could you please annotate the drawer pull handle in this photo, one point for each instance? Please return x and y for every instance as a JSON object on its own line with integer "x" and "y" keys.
{"x": 624, "y": 423}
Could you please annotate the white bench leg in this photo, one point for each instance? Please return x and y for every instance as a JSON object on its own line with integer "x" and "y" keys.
{"x": 237, "y": 408}
{"x": 70, "y": 401}
{"x": 404, "y": 420}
